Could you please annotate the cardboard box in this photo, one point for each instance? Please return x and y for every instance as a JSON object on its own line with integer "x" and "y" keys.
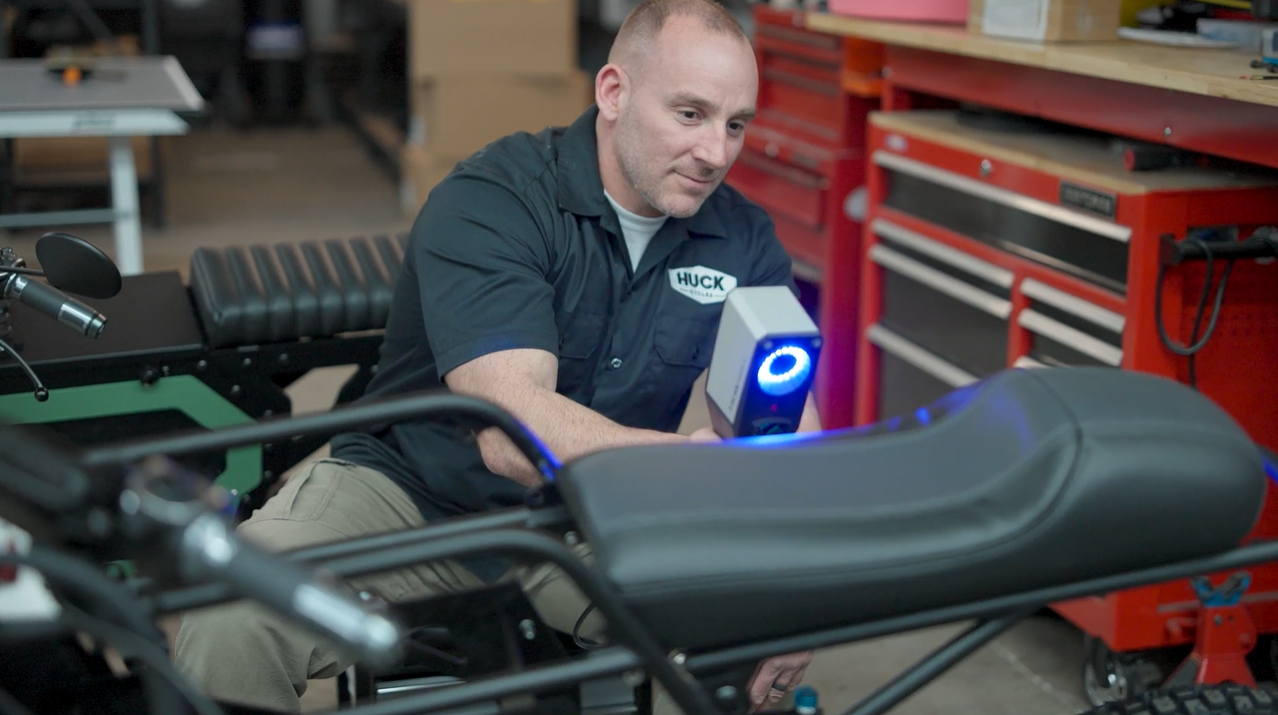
{"x": 474, "y": 37}
{"x": 60, "y": 159}
{"x": 1046, "y": 20}
{"x": 420, "y": 171}
{"x": 459, "y": 115}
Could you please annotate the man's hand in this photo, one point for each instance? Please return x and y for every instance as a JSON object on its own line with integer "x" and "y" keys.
{"x": 811, "y": 420}
{"x": 705, "y": 434}
{"x": 775, "y": 677}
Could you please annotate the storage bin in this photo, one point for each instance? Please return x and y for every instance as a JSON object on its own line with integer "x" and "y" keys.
{"x": 940, "y": 11}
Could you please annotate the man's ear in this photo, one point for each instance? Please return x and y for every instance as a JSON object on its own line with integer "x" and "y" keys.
{"x": 610, "y": 84}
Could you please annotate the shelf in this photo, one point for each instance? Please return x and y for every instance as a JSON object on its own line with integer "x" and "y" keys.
{"x": 1206, "y": 72}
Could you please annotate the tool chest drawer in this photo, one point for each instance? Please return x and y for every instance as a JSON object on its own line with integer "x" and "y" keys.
{"x": 812, "y": 84}
{"x": 1088, "y": 248}
{"x": 949, "y": 303}
{"x": 798, "y": 184}
{"x": 1068, "y": 330}
{"x": 1082, "y": 236}
{"x": 910, "y": 376}
{"x": 783, "y": 190}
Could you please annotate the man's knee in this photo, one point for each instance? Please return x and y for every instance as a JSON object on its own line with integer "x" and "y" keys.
{"x": 244, "y": 652}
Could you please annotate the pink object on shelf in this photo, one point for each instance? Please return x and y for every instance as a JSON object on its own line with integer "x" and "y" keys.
{"x": 947, "y": 11}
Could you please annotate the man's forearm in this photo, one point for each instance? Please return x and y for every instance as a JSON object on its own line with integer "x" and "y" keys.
{"x": 568, "y": 429}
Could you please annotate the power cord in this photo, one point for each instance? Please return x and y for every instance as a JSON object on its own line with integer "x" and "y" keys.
{"x": 1195, "y": 344}
{"x": 583, "y": 643}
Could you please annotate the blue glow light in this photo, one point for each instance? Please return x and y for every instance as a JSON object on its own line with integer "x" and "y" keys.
{"x": 784, "y": 370}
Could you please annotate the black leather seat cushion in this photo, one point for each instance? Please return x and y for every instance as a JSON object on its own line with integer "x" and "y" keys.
{"x": 1030, "y": 479}
{"x": 247, "y": 295}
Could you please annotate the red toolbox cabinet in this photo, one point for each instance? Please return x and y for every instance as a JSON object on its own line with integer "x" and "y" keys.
{"x": 812, "y": 85}
{"x": 986, "y": 249}
{"x": 803, "y": 162}
{"x": 806, "y": 190}
{"x": 811, "y": 192}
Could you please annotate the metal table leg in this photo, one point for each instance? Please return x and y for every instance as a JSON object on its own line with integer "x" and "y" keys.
{"x": 124, "y": 200}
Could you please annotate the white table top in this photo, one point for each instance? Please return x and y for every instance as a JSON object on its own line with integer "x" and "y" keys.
{"x": 126, "y": 83}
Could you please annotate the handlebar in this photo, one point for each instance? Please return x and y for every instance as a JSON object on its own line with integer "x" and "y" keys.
{"x": 17, "y": 282}
{"x": 55, "y": 304}
{"x": 163, "y": 504}
{"x": 134, "y": 495}
{"x": 168, "y": 520}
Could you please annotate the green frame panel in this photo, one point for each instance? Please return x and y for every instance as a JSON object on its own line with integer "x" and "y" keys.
{"x": 184, "y": 393}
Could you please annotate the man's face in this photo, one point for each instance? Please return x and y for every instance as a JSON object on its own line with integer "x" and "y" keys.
{"x": 683, "y": 122}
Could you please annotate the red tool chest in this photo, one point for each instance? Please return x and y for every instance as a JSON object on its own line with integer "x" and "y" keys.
{"x": 991, "y": 247}
{"x": 803, "y": 162}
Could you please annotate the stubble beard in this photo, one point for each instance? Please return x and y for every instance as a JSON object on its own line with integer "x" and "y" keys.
{"x": 645, "y": 180}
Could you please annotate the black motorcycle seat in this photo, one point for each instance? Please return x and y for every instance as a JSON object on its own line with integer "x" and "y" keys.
{"x": 1029, "y": 479}
{"x": 247, "y": 295}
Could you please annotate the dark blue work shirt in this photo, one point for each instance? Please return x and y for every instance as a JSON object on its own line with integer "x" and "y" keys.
{"x": 519, "y": 248}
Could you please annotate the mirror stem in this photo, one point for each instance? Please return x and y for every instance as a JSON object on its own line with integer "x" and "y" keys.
{"x": 22, "y": 271}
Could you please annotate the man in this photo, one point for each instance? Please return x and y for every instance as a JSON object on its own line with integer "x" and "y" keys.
{"x": 552, "y": 274}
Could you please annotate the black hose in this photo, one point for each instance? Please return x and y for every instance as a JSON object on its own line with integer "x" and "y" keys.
{"x": 84, "y": 580}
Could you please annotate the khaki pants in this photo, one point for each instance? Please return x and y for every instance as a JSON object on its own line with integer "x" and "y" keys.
{"x": 242, "y": 653}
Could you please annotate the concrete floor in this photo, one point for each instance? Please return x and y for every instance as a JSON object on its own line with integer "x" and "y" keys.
{"x": 285, "y": 185}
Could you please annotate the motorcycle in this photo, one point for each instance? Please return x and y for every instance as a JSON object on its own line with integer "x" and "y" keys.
{"x": 986, "y": 505}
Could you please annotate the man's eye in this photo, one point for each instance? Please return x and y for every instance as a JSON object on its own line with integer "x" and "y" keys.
{"x": 688, "y": 114}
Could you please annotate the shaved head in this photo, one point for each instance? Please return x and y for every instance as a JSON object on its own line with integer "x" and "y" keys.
{"x": 638, "y": 35}
{"x": 674, "y": 100}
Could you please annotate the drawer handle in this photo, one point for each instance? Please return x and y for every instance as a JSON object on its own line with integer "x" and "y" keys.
{"x": 1011, "y": 199}
{"x": 1073, "y": 305}
{"x": 805, "y": 271}
{"x": 796, "y": 176}
{"x": 1027, "y": 362}
{"x": 812, "y": 85}
{"x": 937, "y": 280}
{"x": 943, "y": 253}
{"x": 918, "y": 357}
{"x": 799, "y": 37}
{"x": 1070, "y": 337}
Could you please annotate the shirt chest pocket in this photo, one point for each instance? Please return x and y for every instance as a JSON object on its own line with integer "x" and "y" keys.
{"x": 682, "y": 350}
{"x": 581, "y": 336}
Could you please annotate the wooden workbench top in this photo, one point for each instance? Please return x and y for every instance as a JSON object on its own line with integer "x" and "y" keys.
{"x": 1081, "y": 156}
{"x": 1210, "y": 72}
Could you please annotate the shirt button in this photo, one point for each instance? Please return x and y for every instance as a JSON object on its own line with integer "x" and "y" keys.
{"x": 615, "y": 363}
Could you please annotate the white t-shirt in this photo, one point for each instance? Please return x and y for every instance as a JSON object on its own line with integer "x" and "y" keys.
{"x": 637, "y": 230}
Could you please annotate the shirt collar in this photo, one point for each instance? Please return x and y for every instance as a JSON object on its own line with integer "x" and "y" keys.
{"x": 581, "y": 189}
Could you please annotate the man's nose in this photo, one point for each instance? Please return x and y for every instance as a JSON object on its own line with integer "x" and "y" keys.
{"x": 712, "y": 150}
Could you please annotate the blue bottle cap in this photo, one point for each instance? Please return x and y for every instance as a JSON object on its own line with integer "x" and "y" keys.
{"x": 805, "y": 700}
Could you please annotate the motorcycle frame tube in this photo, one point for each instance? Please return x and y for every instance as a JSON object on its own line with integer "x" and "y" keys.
{"x": 500, "y": 533}
{"x": 635, "y": 649}
{"x": 935, "y": 664}
{"x": 539, "y": 547}
{"x": 384, "y": 411}
{"x": 210, "y": 594}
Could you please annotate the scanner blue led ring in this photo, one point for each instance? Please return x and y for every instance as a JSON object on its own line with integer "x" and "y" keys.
{"x": 786, "y": 381}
